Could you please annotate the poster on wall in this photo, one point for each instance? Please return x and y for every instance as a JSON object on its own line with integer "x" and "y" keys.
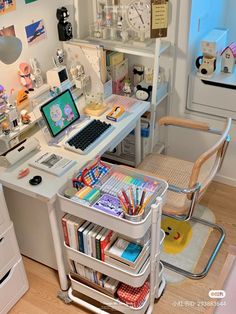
{"x": 29, "y": 1}
{"x": 8, "y": 31}
{"x": 35, "y": 32}
{"x": 7, "y": 6}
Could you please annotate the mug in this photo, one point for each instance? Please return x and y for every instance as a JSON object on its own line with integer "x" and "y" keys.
{"x": 206, "y": 65}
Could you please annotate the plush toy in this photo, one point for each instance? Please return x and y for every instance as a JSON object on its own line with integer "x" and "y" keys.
{"x": 25, "y": 76}
{"x": 143, "y": 91}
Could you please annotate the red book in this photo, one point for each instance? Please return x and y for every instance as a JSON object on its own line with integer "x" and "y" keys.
{"x": 106, "y": 238}
{"x": 65, "y": 230}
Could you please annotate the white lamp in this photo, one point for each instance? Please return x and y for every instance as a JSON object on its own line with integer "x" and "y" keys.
{"x": 10, "y": 49}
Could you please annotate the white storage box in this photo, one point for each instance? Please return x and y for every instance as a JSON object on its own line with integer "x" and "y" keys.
{"x": 12, "y": 286}
{"x": 9, "y": 251}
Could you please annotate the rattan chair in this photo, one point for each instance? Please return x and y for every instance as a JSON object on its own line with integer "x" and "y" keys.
{"x": 189, "y": 180}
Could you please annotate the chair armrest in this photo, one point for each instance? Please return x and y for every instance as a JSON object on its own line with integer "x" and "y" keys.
{"x": 176, "y": 189}
{"x": 186, "y": 123}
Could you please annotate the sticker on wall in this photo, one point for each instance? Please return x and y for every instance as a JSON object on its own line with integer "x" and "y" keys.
{"x": 8, "y": 31}
{"x": 29, "y": 1}
{"x": 7, "y": 6}
{"x": 35, "y": 32}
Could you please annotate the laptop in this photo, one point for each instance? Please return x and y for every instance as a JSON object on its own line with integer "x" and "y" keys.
{"x": 61, "y": 112}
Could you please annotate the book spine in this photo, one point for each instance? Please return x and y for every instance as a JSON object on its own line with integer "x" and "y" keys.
{"x": 81, "y": 241}
{"x": 98, "y": 249}
{"x": 65, "y": 231}
{"x": 104, "y": 243}
{"x": 72, "y": 237}
{"x": 76, "y": 227}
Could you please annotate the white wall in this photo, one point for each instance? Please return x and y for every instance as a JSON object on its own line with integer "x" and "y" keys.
{"x": 208, "y": 14}
{"x": 42, "y": 51}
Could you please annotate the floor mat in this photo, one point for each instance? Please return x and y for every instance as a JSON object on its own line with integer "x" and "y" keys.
{"x": 184, "y": 242}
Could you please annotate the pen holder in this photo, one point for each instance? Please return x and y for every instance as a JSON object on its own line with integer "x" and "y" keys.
{"x": 134, "y": 218}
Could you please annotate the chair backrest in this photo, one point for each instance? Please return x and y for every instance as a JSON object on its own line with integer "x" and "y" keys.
{"x": 217, "y": 153}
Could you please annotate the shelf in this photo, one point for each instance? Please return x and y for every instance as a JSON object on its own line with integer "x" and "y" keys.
{"x": 109, "y": 301}
{"x": 136, "y": 50}
{"x": 122, "y": 158}
{"x": 135, "y": 280}
{"x": 226, "y": 80}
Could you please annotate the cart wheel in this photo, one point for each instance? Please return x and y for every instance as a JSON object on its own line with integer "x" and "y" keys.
{"x": 63, "y": 295}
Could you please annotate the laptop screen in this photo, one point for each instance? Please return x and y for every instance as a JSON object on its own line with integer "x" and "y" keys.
{"x": 60, "y": 112}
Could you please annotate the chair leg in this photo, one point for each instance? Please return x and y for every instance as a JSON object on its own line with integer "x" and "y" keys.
{"x": 211, "y": 259}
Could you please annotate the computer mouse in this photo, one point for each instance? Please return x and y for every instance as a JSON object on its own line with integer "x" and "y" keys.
{"x": 36, "y": 180}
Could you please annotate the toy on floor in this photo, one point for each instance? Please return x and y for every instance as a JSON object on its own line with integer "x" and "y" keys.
{"x": 178, "y": 235}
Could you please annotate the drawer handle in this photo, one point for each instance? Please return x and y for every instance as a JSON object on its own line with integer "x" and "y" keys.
{"x": 5, "y": 277}
{"x": 1, "y": 240}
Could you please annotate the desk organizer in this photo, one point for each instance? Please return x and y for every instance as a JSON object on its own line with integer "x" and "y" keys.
{"x": 134, "y": 230}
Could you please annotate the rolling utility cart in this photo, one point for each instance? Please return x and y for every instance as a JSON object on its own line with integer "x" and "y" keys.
{"x": 149, "y": 226}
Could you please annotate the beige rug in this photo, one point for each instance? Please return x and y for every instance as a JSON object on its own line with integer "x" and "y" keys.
{"x": 184, "y": 243}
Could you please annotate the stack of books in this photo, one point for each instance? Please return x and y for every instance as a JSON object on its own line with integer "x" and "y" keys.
{"x": 95, "y": 279}
{"x": 127, "y": 255}
{"x": 86, "y": 237}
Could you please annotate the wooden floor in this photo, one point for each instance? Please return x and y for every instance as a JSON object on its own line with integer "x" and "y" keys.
{"x": 187, "y": 297}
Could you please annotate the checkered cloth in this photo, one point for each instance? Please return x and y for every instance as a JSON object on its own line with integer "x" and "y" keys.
{"x": 133, "y": 296}
{"x": 90, "y": 176}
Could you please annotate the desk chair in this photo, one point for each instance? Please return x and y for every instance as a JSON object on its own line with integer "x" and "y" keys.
{"x": 188, "y": 181}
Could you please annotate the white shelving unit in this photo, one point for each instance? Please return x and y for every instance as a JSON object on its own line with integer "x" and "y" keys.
{"x": 152, "y": 269}
{"x": 85, "y": 15}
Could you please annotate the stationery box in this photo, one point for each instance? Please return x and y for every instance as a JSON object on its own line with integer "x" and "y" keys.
{"x": 133, "y": 296}
{"x": 119, "y": 71}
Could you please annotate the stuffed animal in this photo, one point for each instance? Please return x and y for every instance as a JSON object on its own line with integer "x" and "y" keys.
{"x": 143, "y": 91}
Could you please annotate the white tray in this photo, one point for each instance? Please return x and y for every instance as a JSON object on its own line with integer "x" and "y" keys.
{"x": 108, "y": 301}
{"x": 135, "y": 280}
{"x": 135, "y": 230}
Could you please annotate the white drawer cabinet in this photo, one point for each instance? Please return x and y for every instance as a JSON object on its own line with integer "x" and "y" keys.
{"x": 211, "y": 99}
{"x": 4, "y": 216}
{"x": 9, "y": 251}
{"x": 12, "y": 286}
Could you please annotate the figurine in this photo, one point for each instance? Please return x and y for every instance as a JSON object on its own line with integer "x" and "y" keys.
{"x": 59, "y": 59}
{"x": 25, "y": 77}
{"x": 64, "y": 27}
{"x": 12, "y": 117}
{"x": 148, "y": 75}
{"x": 25, "y": 117}
{"x": 124, "y": 35}
{"x": 127, "y": 88}
{"x": 5, "y": 128}
{"x": 36, "y": 76}
{"x": 74, "y": 72}
{"x": 3, "y": 99}
{"x": 108, "y": 19}
{"x": 120, "y": 22}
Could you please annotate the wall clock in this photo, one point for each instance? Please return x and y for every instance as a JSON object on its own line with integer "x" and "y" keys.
{"x": 139, "y": 17}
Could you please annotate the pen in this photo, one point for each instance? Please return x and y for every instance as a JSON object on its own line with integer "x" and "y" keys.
{"x": 137, "y": 200}
{"x": 127, "y": 201}
{"x": 142, "y": 198}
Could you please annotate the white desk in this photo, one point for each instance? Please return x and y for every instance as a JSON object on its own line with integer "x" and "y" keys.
{"x": 46, "y": 192}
